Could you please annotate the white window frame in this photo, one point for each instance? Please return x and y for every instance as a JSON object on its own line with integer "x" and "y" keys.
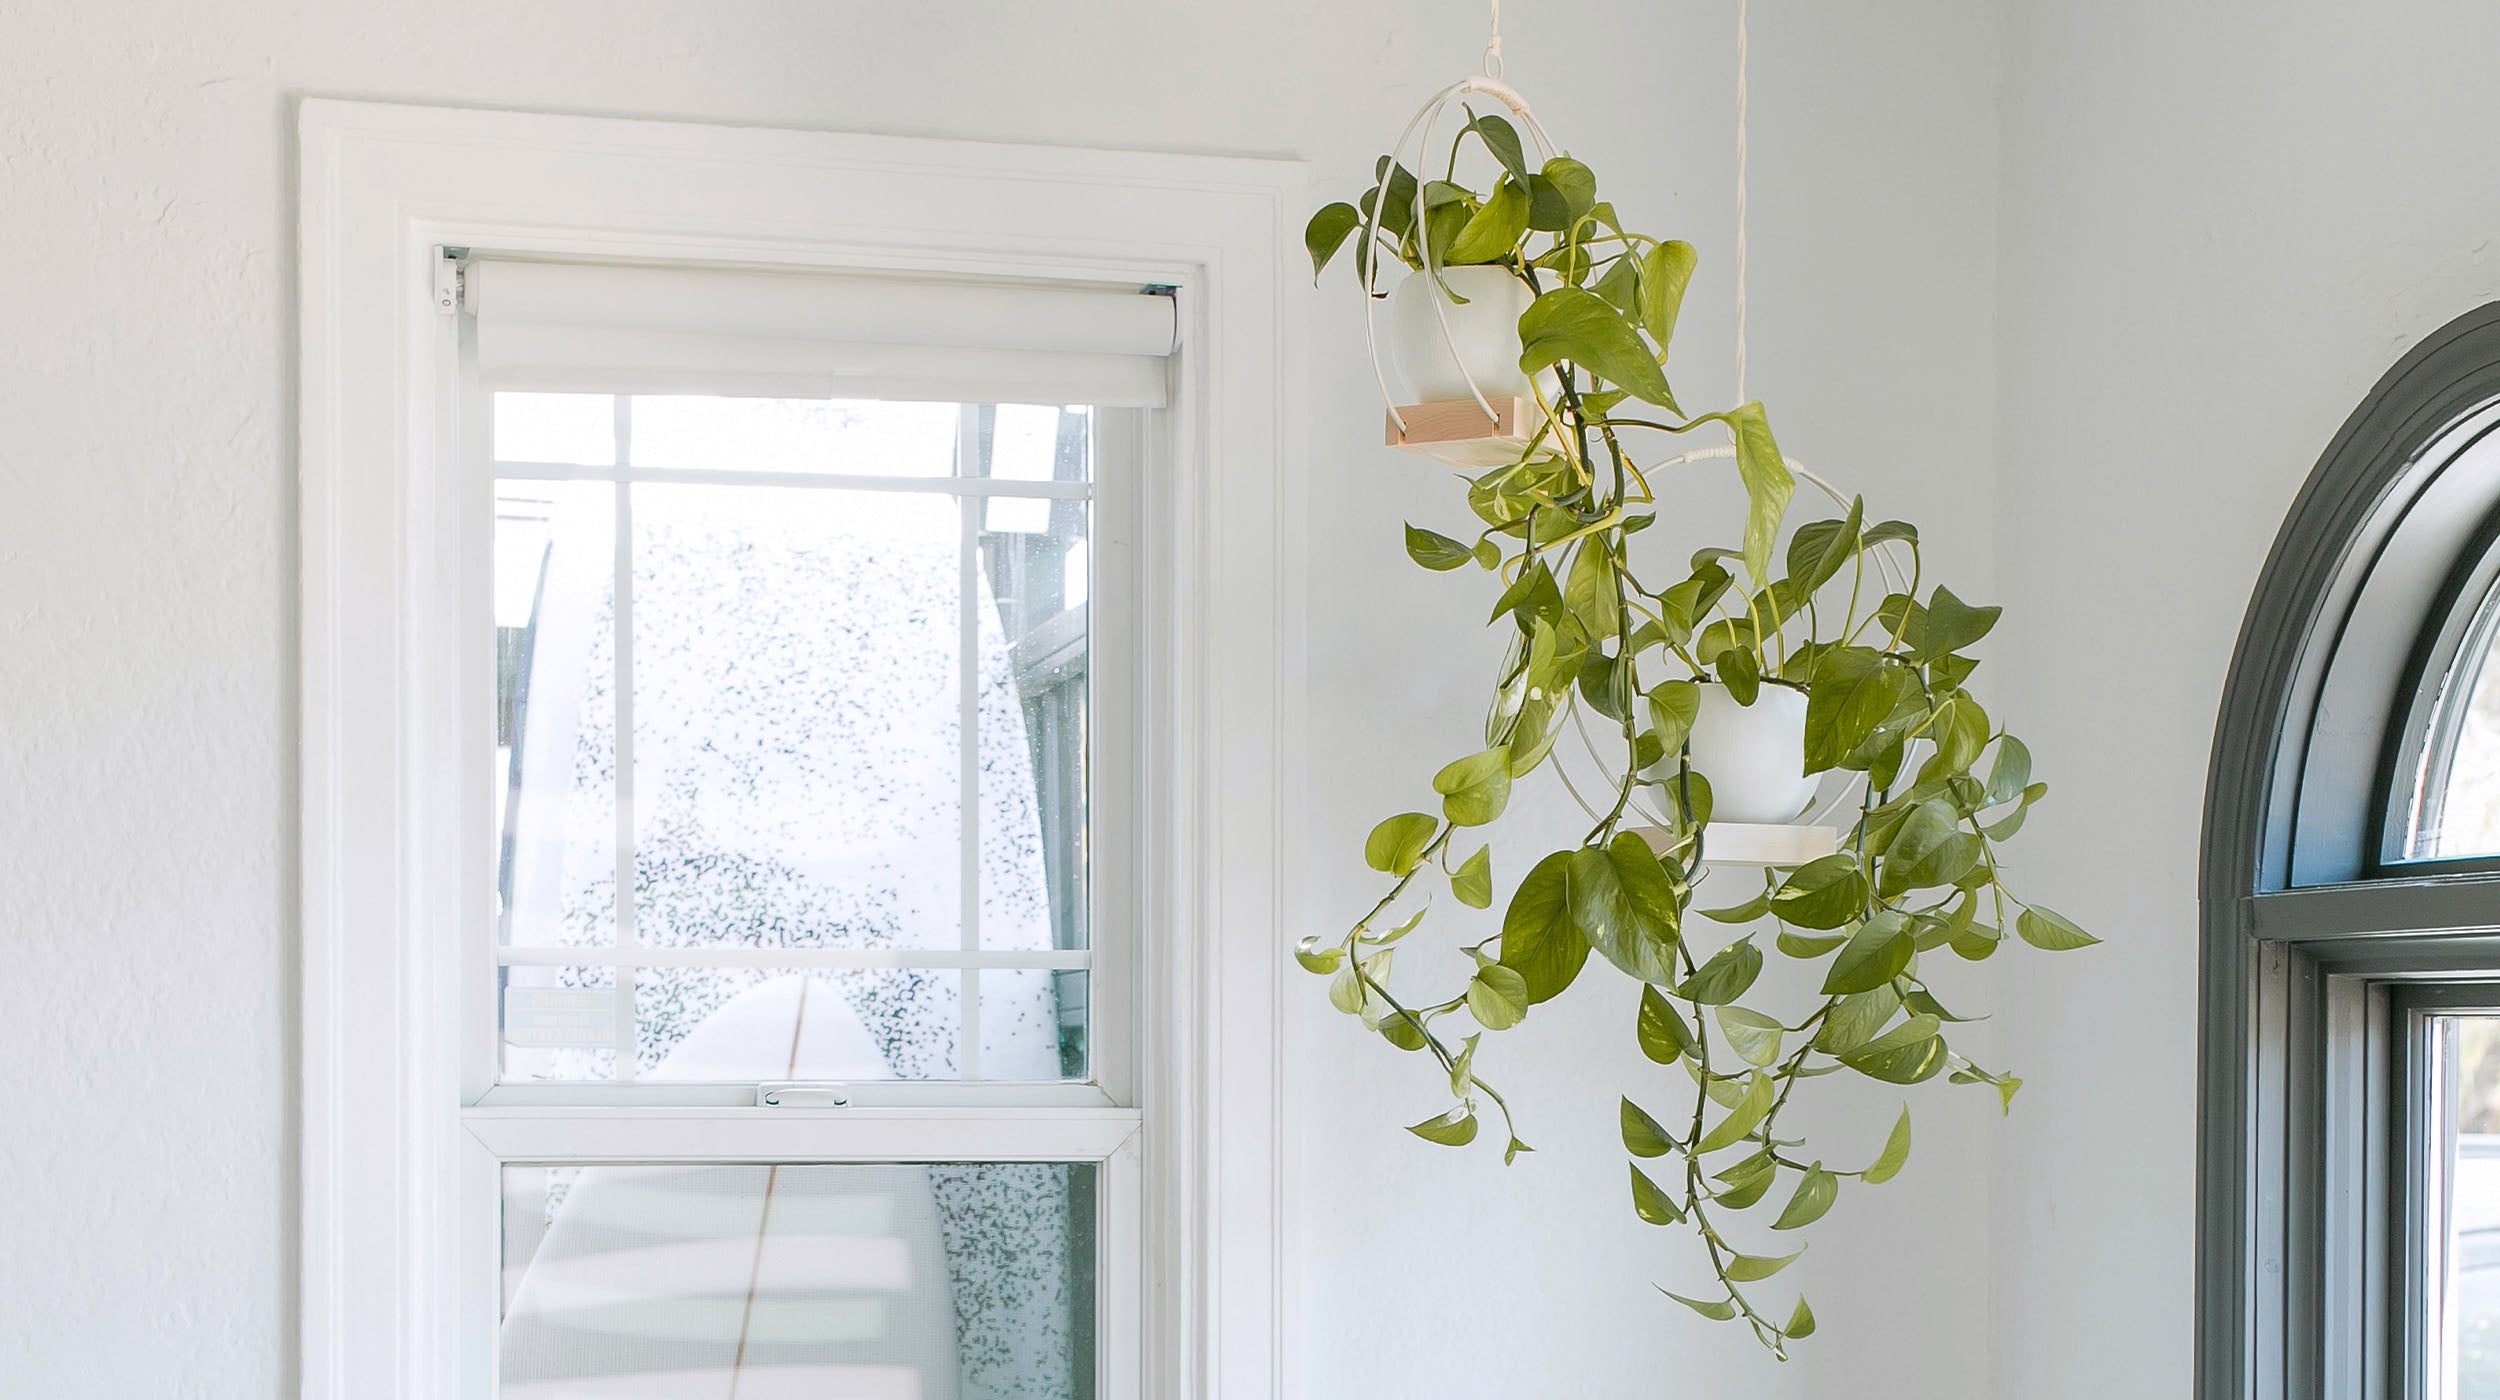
{"x": 1112, "y": 817}
{"x": 393, "y": 1261}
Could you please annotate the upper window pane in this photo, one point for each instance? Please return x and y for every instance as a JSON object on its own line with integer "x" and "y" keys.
{"x": 837, "y": 436}
{"x": 566, "y": 429}
{"x": 797, "y": 695}
{"x": 555, "y": 711}
{"x": 822, "y": 732}
{"x": 2456, "y": 805}
{"x": 1034, "y": 442}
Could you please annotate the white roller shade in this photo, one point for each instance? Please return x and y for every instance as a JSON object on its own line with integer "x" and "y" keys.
{"x": 599, "y": 328}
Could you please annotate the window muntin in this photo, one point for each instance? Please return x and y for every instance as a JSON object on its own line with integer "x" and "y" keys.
{"x": 733, "y": 672}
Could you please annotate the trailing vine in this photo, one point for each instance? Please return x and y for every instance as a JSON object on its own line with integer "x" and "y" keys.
{"x": 1598, "y": 639}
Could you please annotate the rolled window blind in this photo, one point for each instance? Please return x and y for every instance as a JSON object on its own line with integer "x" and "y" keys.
{"x": 621, "y": 329}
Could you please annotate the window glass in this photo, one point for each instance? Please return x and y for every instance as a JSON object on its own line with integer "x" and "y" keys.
{"x": 559, "y": 1023}
{"x": 732, "y": 756}
{"x": 555, "y": 711}
{"x": 572, "y": 429}
{"x": 2462, "y": 1210}
{"x": 798, "y": 771}
{"x": 906, "y": 1281}
{"x": 851, "y": 1025}
{"x": 2456, "y": 808}
{"x": 857, "y": 437}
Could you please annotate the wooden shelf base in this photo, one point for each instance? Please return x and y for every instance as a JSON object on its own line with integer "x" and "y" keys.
{"x": 1457, "y": 432}
{"x": 1746, "y": 843}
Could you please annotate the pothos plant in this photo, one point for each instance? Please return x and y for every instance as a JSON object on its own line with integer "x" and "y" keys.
{"x": 1599, "y": 635}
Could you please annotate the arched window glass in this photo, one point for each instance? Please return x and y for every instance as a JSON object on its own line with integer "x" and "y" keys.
{"x": 2453, "y": 807}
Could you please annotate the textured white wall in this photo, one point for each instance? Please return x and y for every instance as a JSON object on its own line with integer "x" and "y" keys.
{"x": 147, "y": 519}
{"x": 2222, "y": 222}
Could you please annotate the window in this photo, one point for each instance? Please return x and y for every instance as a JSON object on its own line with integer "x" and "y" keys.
{"x": 771, "y": 927}
{"x": 2349, "y": 1192}
{"x": 792, "y": 705}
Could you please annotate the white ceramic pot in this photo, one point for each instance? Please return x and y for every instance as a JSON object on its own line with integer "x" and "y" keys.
{"x": 1484, "y": 327}
{"x": 1754, "y": 755}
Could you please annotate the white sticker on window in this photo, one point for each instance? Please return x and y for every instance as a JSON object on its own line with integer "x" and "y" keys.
{"x": 583, "y": 1017}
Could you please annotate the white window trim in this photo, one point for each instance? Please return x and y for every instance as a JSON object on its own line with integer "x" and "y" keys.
{"x": 386, "y": 1161}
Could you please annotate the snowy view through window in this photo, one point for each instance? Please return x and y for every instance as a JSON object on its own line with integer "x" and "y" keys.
{"x": 784, "y": 719}
{"x": 2467, "y": 1215}
{"x": 2457, "y": 803}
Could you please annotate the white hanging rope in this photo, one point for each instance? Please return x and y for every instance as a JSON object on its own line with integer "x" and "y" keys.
{"x": 1493, "y": 44}
{"x": 1741, "y": 7}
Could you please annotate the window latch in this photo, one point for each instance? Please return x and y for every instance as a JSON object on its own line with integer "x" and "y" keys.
{"x": 802, "y": 1096}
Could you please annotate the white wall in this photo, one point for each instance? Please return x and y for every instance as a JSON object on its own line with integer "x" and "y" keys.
{"x": 2222, "y": 222}
{"x": 147, "y": 515}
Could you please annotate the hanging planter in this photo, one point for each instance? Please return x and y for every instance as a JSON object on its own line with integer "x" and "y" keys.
{"x": 1695, "y": 709}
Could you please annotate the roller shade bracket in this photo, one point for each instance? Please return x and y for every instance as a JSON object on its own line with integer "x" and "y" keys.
{"x": 451, "y": 280}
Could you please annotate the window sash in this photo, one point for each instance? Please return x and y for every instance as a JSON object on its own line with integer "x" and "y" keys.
{"x": 981, "y": 1099}
{"x": 1111, "y": 1139}
{"x": 859, "y": 1134}
{"x": 1111, "y": 801}
{"x": 835, "y": 481}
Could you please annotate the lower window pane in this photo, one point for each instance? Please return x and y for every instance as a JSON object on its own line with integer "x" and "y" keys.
{"x": 946, "y": 1281}
{"x": 2465, "y": 1215}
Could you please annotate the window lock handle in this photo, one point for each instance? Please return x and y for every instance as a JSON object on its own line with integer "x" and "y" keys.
{"x": 802, "y": 1095}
